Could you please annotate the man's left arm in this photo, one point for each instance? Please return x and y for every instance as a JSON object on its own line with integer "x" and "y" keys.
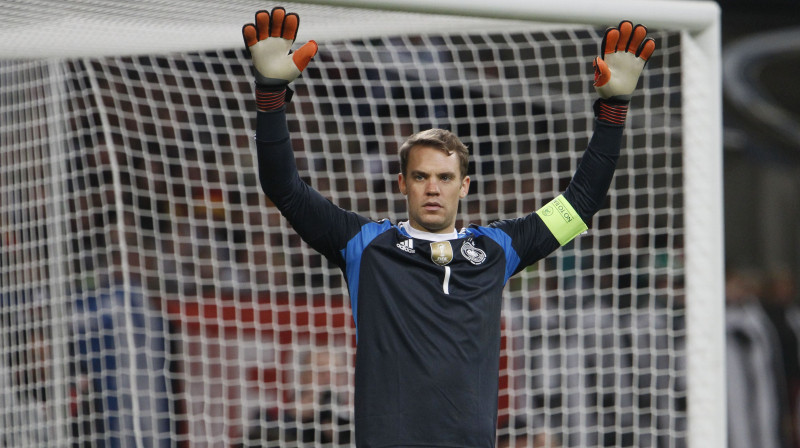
{"x": 625, "y": 51}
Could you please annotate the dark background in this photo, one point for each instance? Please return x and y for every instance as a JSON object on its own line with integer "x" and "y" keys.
{"x": 762, "y": 223}
{"x": 762, "y": 170}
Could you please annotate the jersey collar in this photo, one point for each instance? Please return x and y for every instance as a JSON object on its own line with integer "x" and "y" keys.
{"x": 406, "y": 228}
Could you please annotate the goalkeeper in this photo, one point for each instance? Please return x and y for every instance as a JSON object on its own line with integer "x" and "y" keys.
{"x": 425, "y": 297}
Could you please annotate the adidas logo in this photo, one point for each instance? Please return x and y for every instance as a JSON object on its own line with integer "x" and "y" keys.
{"x": 406, "y": 245}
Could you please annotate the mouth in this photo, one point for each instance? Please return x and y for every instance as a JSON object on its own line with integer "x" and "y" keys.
{"x": 431, "y": 206}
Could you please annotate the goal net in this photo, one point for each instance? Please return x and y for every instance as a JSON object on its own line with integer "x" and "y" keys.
{"x": 150, "y": 295}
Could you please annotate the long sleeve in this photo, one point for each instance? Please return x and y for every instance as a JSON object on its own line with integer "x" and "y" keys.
{"x": 319, "y": 222}
{"x": 589, "y": 186}
{"x": 533, "y": 238}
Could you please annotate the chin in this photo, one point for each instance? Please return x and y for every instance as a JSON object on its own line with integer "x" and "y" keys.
{"x": 434, "y": 227}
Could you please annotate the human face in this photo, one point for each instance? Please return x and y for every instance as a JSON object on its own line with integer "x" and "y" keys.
{"x": 433, "y": 186}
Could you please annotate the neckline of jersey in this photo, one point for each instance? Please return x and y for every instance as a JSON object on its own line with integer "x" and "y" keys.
{"x": 427, "y": 236}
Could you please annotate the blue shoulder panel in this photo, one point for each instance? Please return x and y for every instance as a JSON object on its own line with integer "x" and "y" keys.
{"x": 504, "y": 240}
{"x": 352, "y": 256}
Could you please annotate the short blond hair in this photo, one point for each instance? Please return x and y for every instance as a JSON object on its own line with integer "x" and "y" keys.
{"x": 440, "y": 139}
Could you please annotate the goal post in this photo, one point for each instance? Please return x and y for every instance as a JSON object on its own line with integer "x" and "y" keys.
{"x": 150, "y": 295}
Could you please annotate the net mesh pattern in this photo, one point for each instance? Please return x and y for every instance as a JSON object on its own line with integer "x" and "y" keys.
{"x": 152, "y": 296}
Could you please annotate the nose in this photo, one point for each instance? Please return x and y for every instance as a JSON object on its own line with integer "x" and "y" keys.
{"x": 432, "y": 187}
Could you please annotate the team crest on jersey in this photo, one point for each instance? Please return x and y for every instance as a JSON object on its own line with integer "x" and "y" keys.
{"x": 406, "y": 246}
{"x": 472, "y": 253}
{"x": 441, "y": 252}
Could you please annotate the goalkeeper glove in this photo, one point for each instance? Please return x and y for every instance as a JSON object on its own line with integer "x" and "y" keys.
{"x": 270, "y": 40}
{"x": 625, "y": 51}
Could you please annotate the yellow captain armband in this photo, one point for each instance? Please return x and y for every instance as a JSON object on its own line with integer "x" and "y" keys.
{"x": 562, "y": 220}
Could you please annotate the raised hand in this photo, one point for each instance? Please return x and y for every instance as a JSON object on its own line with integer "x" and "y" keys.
{"x": 625, "y": 51}
{"x": 270, "y": 40}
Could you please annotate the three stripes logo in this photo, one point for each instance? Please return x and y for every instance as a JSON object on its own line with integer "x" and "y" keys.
{"x": 406, "y": 246}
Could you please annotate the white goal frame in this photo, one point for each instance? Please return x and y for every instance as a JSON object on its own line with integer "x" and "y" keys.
{"x": 699, "y": 25}
{"x": 699, "y": 22}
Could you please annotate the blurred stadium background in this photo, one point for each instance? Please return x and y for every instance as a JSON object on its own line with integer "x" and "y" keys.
{"x": 761, "y": 57}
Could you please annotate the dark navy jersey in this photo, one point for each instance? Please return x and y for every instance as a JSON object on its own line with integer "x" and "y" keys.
{"x": 427, "y": 314}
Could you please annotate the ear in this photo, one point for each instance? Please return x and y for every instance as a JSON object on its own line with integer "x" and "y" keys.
{"x": 401, "y": 182}
{"x": 464, "y": 187}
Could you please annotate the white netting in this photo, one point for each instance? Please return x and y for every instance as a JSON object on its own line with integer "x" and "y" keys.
{"x": 152, "y": 296}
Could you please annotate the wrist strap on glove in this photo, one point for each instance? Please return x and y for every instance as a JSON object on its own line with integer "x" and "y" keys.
{"x": 269, "y": 98}
{"x": 611, "y": 111}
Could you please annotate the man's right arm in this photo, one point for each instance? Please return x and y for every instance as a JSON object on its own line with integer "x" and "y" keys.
{"x": 320, "y": 223}
{"x": 324, "y": 226}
